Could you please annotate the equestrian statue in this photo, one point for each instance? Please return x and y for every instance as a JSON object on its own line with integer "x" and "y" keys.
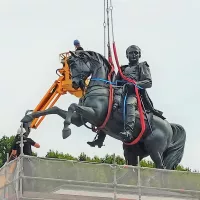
{"x": 164, "y": 142}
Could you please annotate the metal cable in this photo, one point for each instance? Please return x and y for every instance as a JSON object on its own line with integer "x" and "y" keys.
{"x": 108, "y": 25}
{"x": 111, "y": 13}
{"x": 104, "y": 25}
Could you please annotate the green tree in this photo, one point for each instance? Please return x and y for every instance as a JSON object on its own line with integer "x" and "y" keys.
{"x": 5, "y": 147}
{"x": 147, "y": 163}
{"x": 56, "y": 154}
{"x": 6, "y": 143}
{"x": 96, "y": 159}
{"x": 181, "y": 168}
{"x": 34, "y": 154}
{"x": 120, "y": 161}
{"x": 84, "y": 157}
{"x": 109, "y": 159}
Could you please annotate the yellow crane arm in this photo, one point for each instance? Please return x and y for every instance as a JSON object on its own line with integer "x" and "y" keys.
{"x": 61, "y": 86}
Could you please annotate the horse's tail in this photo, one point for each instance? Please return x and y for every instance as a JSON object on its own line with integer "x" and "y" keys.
{"x": 172, "y": 156}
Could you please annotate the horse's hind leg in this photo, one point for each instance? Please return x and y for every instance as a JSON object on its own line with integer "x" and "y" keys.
{"x": 155, "y": 154}
{"x": 157, "y": 159}
{"x": 131, "y": 154}
{"x": 155, "y": 144}
{"x": 132, "y": 159}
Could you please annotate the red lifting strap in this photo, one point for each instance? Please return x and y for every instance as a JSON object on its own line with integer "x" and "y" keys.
{"x": 124, "y": 77}
{"x": 138, "y": 98}
{"x": 110, "y": 102}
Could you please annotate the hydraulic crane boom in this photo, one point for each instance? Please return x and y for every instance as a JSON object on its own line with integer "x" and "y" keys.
{"x": 60, "y": 87}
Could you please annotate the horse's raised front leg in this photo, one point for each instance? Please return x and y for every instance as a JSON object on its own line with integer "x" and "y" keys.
{"x": 84, "y": 112}
{"x": 50, "y": 111}
{"x": 76, "y": 118}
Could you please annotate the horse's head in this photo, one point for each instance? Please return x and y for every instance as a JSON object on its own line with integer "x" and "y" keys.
{"x": 82, "y": 64}
{"x": 80, "y": 69}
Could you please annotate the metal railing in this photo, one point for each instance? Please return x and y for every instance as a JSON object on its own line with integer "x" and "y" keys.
{"x": 29, "y": 177}
{"x": 43, "y": 178}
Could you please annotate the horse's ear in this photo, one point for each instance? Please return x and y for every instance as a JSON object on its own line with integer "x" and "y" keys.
{"x": 73, "y": 54}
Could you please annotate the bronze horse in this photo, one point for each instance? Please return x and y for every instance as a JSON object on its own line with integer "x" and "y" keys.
{"x": 165, "y": 144}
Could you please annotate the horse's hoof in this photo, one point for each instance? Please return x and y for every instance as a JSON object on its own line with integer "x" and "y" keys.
{"x": 66, "y": 133}
{"x": 26, "y": 119}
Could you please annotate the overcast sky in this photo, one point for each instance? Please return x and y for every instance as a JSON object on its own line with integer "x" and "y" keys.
{"x": 33, "y": 33}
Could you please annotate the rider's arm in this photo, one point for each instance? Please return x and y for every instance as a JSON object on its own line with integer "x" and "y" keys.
{"x": 145, "y": 77}
{"x": 118, "y": 77}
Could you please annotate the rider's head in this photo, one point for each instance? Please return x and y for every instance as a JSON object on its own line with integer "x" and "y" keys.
{"x": 133, "y": 53}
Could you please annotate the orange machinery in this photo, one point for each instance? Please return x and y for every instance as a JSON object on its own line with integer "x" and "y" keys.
{"x": 61, "y": 86}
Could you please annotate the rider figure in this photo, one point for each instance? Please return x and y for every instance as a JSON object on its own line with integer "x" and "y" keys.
{"x": 140, "y": 72}
{"x": 77, "y": 45}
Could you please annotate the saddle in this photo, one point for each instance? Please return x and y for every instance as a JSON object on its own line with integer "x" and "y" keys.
{"x": 148, "y": 105}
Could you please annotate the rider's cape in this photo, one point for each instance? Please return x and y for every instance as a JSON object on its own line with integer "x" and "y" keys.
{"x": 148, "y": 104}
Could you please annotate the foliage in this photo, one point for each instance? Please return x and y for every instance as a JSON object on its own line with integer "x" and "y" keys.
{"x": 6, "y": 143}
{"x": 55, "y": 154}
{"x": 109, "y": 159}
{"x": 5, "y": 147}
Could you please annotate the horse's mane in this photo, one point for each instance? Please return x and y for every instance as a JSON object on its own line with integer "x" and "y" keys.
{"x": 96, "y": 56}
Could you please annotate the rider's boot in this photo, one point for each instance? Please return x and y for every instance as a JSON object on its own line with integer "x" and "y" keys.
{"x": 99, "y": 141}
{"x": 127, "y": 134}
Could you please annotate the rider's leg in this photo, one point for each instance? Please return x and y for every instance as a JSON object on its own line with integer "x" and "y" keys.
{"x": 117, "y": 98}
{"x": 99, "y": 141}
{"x": 128, "y": 134}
